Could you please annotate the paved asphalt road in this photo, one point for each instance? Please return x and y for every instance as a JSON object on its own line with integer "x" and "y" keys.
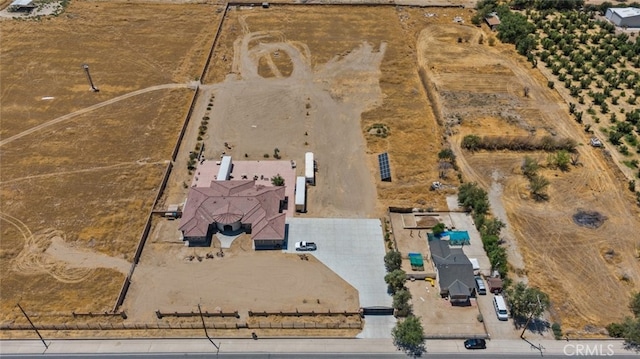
{"x": 300, "y": 348}
{"x": 474, "y": 355}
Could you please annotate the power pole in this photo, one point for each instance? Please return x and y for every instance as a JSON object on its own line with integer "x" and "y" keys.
{"x": 33, "y": 326}
{"x": 530, "y": 317}
{"x": 207, "y": 333}
{"x": 86, "y": 70}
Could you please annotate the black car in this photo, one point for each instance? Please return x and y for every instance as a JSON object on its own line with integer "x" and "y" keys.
{"x": 475, "y": 344}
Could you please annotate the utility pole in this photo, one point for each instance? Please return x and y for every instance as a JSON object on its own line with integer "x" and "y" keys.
{"x": 86, "y": 70}
{"x": 206, "y": 332}
{"x": 33, "y": 326}
{"x": 530, "y": 317}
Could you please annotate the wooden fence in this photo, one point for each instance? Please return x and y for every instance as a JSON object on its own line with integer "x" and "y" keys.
{"x": 177, "y": 326}
{"x": 303, "y": 314}
{"x": 123, "y": 315}
{"x": 161, "y": 315}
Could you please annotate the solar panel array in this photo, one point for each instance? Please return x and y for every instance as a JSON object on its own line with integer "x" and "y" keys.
{"x": 385, "y": 171}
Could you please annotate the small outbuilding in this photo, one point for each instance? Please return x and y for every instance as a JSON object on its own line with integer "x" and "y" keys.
{"x": 624, "y": 16}
{"x": 21, "y": 6}
{"x": 492, "y": 20}
{"x": 495, "y": 285}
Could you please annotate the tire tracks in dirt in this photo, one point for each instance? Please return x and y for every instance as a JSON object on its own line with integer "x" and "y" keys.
{"x": 89, "y": 109}
{"x": 92, "y": 169}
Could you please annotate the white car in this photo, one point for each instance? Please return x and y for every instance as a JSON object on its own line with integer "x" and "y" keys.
{"x": 306, "y": 246}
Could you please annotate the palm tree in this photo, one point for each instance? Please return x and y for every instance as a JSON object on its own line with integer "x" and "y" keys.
{"x": 538, "y": 187}
{"x": 277, "y": 180}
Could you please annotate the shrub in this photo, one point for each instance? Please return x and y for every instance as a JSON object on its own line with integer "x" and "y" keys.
{"x": 518, "y": 143}
{"x": 392, "y": 261}
{"x": 492, "y": 227}
{"x": 551, "y": 84}
{"x": 616, "y": 330}
{"x": 395, "y": 280}
{"x": 438, "y": 229}
{"x": 557, "y": 331}
{"x": 529, "y": 166}
{"x": 471, "y": 142}
{"x": 471, "y": 196}
{"x": 538, "y": 187}
{"x": 401, "y": 303}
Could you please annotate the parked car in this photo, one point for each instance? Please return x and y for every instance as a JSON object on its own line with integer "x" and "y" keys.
{"x": 306, "y": 246}
{"x": 475, "y": 344}
{"x": 482, "y": 290}
{"x": 501, "y": 307}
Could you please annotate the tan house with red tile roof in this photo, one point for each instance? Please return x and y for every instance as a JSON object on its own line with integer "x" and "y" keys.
{"x": 232, "y": 207}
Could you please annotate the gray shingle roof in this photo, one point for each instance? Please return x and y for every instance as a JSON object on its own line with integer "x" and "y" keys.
{"x": 455, "y": 272}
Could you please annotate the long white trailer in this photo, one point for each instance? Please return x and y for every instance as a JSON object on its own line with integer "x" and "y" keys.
{"x": 309, "y": 168}
{"x": 224, "y": 172}
{"x": 301, "y": 194}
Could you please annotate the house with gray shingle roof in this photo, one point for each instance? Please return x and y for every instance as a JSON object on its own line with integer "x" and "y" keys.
{"x": 454, "y": 271}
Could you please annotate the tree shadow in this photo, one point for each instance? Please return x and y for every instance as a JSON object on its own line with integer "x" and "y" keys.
{"x": 632, "y": 346}
{"x": 539, "y": 326}
{"x": 413, "y": 351}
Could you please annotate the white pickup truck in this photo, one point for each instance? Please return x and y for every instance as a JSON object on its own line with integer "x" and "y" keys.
{"x": 306, "y": 246}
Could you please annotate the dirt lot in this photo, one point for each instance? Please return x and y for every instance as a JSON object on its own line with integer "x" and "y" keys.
{"x": 481, "y": 88}
{"x": 73, "y": 186}
{"x": 336, "y": 49}
{"x": 242, "y": 280}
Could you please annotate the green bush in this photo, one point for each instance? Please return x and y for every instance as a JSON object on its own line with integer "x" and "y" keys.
{"x": 392, "y": 261}
{"x": 401, "y": 303}
{"x": 557, "y": 331}
{"x": 438, "y": 229}
{"x": 616, "y": 330}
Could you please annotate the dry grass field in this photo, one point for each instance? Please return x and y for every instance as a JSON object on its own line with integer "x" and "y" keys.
{"x": 589, "y": 273}
{"x": 85, "y": 185}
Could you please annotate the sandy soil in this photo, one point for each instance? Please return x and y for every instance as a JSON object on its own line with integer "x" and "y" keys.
{"x": 560, "y": 257}
{"x": 242, "y": 280}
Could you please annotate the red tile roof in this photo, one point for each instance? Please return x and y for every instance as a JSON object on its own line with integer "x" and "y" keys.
{"x": 227, "y": 202}
{"x": 492, "y": 20}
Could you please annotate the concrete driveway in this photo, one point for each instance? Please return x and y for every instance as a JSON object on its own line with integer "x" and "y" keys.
{"x": 353, "y": 249}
